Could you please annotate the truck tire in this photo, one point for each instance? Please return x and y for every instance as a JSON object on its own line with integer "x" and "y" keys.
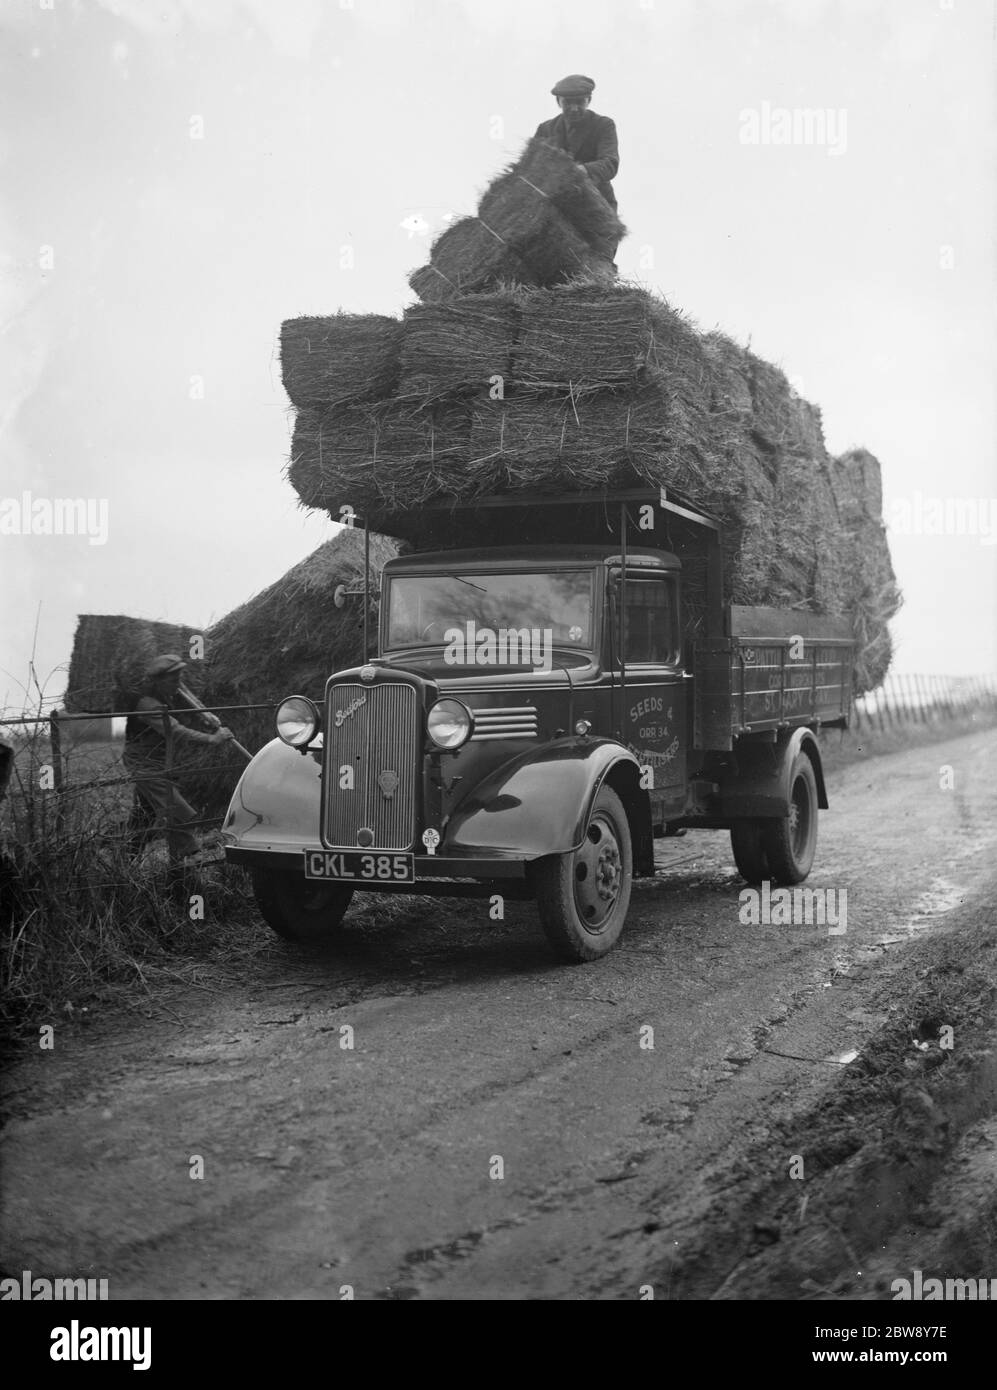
{"x": 746, "y": 840}
{"x": 583, "y": 896}
{"x": 790, "y": 844}
{"x": 298, "y": 908}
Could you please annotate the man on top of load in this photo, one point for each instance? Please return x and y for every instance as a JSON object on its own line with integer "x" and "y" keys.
{"x": 589, "y": 138}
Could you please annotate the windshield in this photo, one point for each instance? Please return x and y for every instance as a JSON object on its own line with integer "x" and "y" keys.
{"x": 421, "y": 608}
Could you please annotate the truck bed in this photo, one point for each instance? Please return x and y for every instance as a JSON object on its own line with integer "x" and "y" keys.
{"x": 758, "y": 678}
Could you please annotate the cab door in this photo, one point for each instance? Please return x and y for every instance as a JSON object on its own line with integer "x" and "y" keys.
{"x": 652, "y": 690}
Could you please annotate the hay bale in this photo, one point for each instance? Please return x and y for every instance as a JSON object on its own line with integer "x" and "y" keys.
{"x": 611, "y": 386}
{"x": 289, "y": 638}
{"x": 731, "y": 376}
{"x": 589, "y": 438}
{"x": 556, "y": 252}
{"x": 339, "y": 358}
{"x": 583, "y": 335}
{"x": 392, "y": 456}
{"x": 459, "y": 345}
{"x": 524, "y": 240}
{"x": 545, "y": 172}
{"x": 857, "y": 483}
{"x": 110, "y": 656}
{"x": 465, "y": 258}
{"x": 781, "y": 416}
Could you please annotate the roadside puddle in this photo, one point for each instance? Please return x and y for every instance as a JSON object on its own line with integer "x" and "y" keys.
{"x": 943, "y": 896}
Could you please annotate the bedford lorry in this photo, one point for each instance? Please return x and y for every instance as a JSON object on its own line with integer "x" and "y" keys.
{"x": 557, "y": 682}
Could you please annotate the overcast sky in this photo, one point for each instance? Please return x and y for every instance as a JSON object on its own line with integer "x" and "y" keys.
{"x": 178, "y": 176}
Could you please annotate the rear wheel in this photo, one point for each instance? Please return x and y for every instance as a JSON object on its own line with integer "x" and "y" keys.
{"x": 749, "y": 851}
{"x": 790, "y": 844}
{"x": 583, "y": 896}
{"x": 298, "y": 908}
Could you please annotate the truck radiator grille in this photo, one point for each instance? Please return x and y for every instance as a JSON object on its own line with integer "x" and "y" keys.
{"x": 377, "y": 736}
{"x": 509, "y": 721}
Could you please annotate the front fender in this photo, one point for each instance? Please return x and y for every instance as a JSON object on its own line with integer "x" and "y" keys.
{"x": 277, "y": 803}
{"x": 539, "y": 803}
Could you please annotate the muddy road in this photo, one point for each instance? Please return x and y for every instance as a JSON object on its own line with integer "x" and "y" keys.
{"x": 437, "y": 1110}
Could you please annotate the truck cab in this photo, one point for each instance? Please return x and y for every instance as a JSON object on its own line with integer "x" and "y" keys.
{"x": 533, "y": 717}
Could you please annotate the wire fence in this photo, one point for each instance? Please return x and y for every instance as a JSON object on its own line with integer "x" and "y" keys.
{"x": 82, "y": 771}
{"x": 88, "y": 767}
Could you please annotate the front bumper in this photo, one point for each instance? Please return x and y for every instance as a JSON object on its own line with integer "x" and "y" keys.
{"x": 429, "y": 868}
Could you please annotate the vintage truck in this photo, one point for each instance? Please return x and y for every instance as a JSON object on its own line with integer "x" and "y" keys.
{"x": 537, "y": 713}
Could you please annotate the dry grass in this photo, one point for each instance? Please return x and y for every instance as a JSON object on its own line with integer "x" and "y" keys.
{"x": 80, "y": 912}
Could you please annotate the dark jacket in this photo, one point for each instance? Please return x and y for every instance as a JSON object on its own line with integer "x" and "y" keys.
{"x": 591, "y": 142}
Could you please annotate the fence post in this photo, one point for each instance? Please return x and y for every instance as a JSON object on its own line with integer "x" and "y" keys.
{"x": 58, "y": 779}
{"x": 172, "y": 855}
{"x": 922, "y": 698}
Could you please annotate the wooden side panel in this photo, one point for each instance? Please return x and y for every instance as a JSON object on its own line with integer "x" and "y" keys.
{"x": 776, "y": 670}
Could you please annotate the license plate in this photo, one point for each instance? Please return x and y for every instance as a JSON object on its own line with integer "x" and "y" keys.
{"x": 359, "y": 866}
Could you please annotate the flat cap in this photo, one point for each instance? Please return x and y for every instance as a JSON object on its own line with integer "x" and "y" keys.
{"x": 162, "y": 665}
{"x": 574, "y": 86}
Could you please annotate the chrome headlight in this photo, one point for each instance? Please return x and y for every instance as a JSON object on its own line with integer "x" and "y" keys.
{"x": 297, "y": 721}
{"x": 449, "y": 724}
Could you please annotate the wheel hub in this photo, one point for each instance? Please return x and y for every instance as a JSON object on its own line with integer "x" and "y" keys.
{"x": 598, "y": 874}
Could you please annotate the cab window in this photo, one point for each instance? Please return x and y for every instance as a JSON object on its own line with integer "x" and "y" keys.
{"x": 652, "y": 624}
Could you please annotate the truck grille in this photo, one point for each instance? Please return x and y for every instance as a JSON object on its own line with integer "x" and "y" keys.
{"x": 509, "y": 721}
{"x": 377, "y": 737}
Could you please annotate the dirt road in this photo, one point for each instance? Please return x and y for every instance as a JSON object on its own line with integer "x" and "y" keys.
{"x": 499, "y": 1126}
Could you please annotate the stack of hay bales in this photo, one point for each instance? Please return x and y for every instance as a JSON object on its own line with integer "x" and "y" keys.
{"x": 110, "y": 657}
{"x": 587, "y": 385}
{"x": 286, "y": 640}
{"x": 540, "y": 222}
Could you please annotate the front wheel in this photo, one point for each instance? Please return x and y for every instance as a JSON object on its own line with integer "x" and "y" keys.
{"x": 583, "y": 895}
{"x": 298, "y": 908}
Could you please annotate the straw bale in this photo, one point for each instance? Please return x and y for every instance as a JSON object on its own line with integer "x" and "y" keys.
{"x": 339, "y": 358}
{"x": 588, "y": 437}
{"x": 856, "y": 480}
{"x": 395, "y": 455}
{"x": 780, "y": 415}
{"x": 290, "y": 637}
{"x": 458, "y": 345}
{"x": 110, "y": 655}
{"x": 545, "y": 172}
{"x": 556, "y": 252}
{"x": 524, "y": 240}
{"x": 468, "y": 257}
{"x": 584, "y": 335}
{"x": 730, "y": 373}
